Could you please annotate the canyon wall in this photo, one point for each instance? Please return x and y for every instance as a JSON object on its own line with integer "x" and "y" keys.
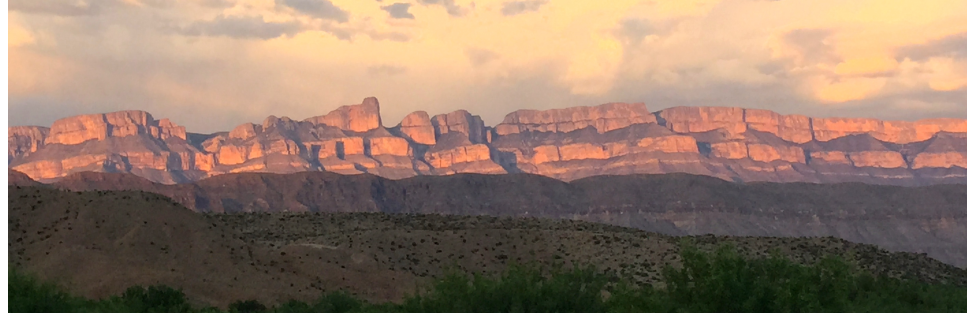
{"x": 733, "y": 144}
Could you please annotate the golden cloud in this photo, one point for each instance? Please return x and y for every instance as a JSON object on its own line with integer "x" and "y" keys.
{"x": 18, "y": 36}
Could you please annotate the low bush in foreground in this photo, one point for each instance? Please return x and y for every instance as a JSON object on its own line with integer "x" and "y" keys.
{"x": 708, "y": 282}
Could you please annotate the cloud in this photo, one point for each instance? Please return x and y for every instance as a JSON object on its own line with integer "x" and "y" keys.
{"x": 480, "y": 57}
{"x": 323, "y": 9}
{"x": 811, "y": 46}
{"x": 19, "y": 36}
{"x": 387, "y": 70}
{"x": 953, "y": 46}
{"x": 518, "y": 7}
{"x": 905, "y": 60}
{"x": 245, "y": 27}
{"x": 388, "y": 36}
{"x": 452, "y": 8}
{"x": 399, "y": 10}
{"x": 870, "y": 66}
{"x": 215, "y": 3}
{"x": 349, "y": 32}
{"x": 634, "y": 30}
{"x": 60, "y": 7}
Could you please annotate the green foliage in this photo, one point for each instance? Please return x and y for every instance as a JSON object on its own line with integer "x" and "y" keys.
{"x": 249, "y": 306}
{"x": 338, "y": 302}
{"x": 520, "y": 289}
{"x": 707, "y": 282}
{"x": 155, "y": 299}
{"x": 27, "y": 295}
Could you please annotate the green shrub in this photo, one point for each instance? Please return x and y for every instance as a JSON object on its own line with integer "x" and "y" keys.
{"x": 520, "y": 289}
{"x": 155, "y": 299}
{"x": 249, "y": 306}
{"x": 27, "y": 295}
{"x": 707, "y": 282}
{"x": 337, "y": 302}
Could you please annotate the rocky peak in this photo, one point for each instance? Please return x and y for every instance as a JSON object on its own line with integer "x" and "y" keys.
{"x": 798, "y": 128}
{"x": 571, "y": 143}
{"x": 357, "y": 117}
{"x": 245, "y": 131}
{"x": 460, "y": 121}
{"x": 703, "y": 119}
{"x": 78, "y": 129}
{"x": 284, "y": 125}
{"x": 792, "y": 128}
{"x": 168, "y": 129}
{"x": 418, "y": 127}
{"x": 24, "y": 139}
{"x": 604, "y": 118}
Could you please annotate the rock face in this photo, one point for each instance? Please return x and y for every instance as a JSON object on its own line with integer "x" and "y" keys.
{"x": 461, "y": 121}
{"x": 611, "y": 139}
{"x": 603, "y": 118}
{"x": 357, "y": 118}
{"x": 418, "y": 128}
{"x": 22, "y": 140}
{"x": 78, "y": 129}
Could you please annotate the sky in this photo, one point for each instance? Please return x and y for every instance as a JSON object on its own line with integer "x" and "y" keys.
{"x": 213, "y": 64}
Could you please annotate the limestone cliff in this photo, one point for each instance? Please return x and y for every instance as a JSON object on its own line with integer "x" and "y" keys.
{"x": 357, "y": 118}
{"x": 22, "y": 140}
{"x": 78, "y": 129}
{"x": 417, "y": 127}
{"x": 461, "y": 121}
{"x": 604, "y": 118}
{"x": 610, "y": 139}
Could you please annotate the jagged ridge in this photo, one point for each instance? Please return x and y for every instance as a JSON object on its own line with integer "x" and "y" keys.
{"x": 615, "y": 138}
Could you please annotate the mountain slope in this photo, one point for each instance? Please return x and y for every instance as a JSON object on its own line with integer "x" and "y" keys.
{"x": 929, "y": 219}
{"x": 98, "y": 243}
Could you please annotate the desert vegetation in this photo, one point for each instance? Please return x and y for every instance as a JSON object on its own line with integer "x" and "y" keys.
{"x": 721, "y": 280}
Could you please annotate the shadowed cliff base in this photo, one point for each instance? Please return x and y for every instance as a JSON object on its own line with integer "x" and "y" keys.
{"x": 733, "y": 144}
{"x": 97, "y": 243}
{"x": 929, "y": 219}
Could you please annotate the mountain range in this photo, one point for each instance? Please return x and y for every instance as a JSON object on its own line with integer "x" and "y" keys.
{"x": 734, "y": 144}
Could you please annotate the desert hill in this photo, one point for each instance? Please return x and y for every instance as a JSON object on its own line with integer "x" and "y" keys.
{"x": 733, "y": 144}
{"x": 98, "y": 243}
{"x": 928, "y": 219}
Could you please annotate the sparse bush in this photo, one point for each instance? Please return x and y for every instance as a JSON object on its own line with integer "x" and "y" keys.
{"x": 338, "y": 302}
{"x": 249, "y": 306}
{"x": 155, "y": 299}
{"x": 520, "y": 289}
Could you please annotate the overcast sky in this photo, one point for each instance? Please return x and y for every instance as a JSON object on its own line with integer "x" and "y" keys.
{"x": 212, "y": 64}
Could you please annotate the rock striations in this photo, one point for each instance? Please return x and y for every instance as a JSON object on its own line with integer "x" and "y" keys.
{"x": 611, "y": 139}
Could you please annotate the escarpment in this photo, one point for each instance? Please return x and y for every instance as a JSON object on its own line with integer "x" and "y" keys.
{"x": 611, "y": 139}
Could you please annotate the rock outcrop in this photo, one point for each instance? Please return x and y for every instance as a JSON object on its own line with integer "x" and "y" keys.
{"x": 461, "y": 121}
{"x": 418, "y": 128}
{"x": 603, "y": 118}
{"x": 22, "y": 140}
{"x": 78, "y": 129}
{"x": 357, "y": 118}
{"x": 610, "y": 139}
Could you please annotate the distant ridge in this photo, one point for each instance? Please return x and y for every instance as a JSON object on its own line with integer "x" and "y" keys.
{"x": 733, "y": 144}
